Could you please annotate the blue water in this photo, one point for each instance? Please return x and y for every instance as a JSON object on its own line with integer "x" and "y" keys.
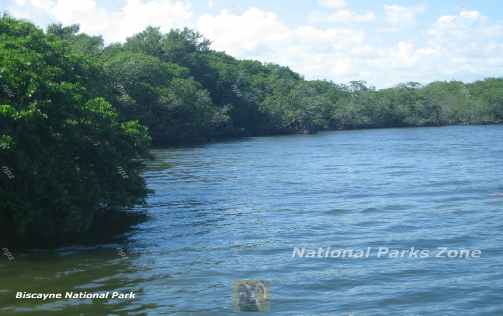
{"x": 235, "y": 210}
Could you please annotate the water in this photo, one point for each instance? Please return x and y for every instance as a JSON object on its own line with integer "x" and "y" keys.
{"x": 235, "y": 210}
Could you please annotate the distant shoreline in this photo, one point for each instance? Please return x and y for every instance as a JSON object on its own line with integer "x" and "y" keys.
{"x": 237, "y": 138}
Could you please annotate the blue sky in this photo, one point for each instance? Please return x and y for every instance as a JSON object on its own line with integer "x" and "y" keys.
{"x": 381, "y": 42}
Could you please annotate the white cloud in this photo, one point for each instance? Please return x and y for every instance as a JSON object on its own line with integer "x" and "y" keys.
{"x": 470, "y": 14}
{"x": 243, "y": 34}
{"x": 467, "y": 35}
{"x": 338, "y": 38}
{"x": 348, "y": 16}
{"x": 40, "y": 4}
{"x": 400, "y": 16}
{"x": 337, "y": 4}
{"x": 466, "y": 20}
{"x": 131, "y": 18}
{"x": 465, "y": 46}
{"x": 451, "y": 49}
{"x": 340, "y": 13}
{"x": 313, "y": 51}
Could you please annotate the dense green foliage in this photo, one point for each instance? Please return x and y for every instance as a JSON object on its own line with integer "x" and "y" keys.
{"x": 76, "y": 116}
{"x": 65, "y": 155}
{"x": 185, "y": 92}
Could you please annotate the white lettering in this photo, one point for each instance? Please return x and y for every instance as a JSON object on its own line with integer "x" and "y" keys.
{"x": 298, "y": 252}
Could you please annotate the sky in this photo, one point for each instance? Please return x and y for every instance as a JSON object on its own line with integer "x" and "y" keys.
{"x": 381, "y": 42}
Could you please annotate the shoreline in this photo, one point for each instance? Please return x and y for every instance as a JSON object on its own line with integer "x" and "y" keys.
{"x": 237, "y": 138}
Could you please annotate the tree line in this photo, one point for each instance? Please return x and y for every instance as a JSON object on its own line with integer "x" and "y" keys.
{"x": 77, "y": 117}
